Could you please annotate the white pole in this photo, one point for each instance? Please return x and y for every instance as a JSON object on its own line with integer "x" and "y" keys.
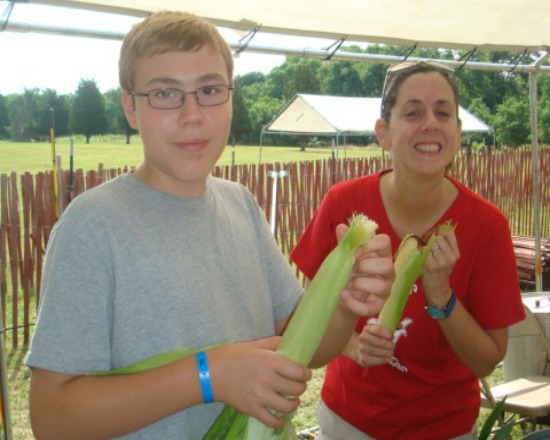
{"x": 275, "y": 175}
{"x": 536, "y": 179}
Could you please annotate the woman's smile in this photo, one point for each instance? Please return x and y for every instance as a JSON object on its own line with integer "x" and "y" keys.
{"x": 428, "y": 148}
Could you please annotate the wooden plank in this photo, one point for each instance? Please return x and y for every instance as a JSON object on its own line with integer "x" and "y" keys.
{"x": 5, "y": 415}
{"x": 26, "y": 273}
{"x": 13, "y": 253}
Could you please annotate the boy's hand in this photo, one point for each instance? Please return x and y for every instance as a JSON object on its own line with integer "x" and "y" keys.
{"x": 371, "y": 279}
{"x": 252, "y": 378}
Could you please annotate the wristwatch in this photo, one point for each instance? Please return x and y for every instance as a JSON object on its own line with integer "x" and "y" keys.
{"x": 437, "y": 312}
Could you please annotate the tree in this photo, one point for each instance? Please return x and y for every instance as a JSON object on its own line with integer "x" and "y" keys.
{"x": 341, "y": 79}
{"x": 512, "y": 122}
{"x": 544, "y": 108}
{"x": 87, "y": 115}
{"x": 4, "y": 118}
{"x": 116, "y": 117}
{"x": 479, "y": 109}
{"x": 372, "y": 79}
{"x": 46, "y": 100}
{"x": 241, "y": 125}
{"x": 261, "y": 113}
{"x": 250, "y": 78}
{"x": 303, "y": 78}
{"x": 275, "y": 83}
{"x": 476, "y": 84}
{"x": 544, "y": 120}
{"x": 23, "y": 111}
{"x": 122, "y": 124}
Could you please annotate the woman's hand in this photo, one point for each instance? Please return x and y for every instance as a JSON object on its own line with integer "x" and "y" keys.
{"x": 371, "y": 279}
{"x": 438, "y": 268}
{"x": 374, "y": 346}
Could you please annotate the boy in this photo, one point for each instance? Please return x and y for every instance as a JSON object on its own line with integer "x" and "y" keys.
{"x": 168, "y": 256}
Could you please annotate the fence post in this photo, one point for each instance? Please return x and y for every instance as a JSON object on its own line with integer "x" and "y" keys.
{"x": 5, "y": 416}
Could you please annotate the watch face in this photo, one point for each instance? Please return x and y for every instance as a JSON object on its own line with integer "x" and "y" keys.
{"x": 436, "y": 313}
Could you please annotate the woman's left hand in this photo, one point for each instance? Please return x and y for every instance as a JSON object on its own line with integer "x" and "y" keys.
{"x": 438, "y": 268}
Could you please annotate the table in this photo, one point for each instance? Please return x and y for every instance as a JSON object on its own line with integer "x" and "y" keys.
{"x": 524, "y": 355}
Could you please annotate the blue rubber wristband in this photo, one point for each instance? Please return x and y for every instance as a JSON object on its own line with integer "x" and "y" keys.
{"x": 204, "y": 375}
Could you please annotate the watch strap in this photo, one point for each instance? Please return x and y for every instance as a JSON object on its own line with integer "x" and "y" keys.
{"x": 437, "y": 312}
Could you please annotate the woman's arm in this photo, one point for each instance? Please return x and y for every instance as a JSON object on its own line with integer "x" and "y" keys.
{"x": 479, "y": 349}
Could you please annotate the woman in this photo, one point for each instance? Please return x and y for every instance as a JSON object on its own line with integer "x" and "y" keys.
{"x": 422, "y": 382}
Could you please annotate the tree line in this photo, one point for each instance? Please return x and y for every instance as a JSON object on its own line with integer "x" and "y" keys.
{"x": 498, "y": 98}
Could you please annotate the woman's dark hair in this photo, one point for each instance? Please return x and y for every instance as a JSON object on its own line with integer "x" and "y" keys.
{"x": 397, "y": 74}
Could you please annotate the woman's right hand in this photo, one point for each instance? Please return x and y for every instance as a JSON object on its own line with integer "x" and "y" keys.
{"x": 375, "y": 346}
{"x": 251, "y": 377}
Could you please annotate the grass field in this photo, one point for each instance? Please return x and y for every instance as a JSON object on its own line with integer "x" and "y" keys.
{"x": 112, "y": 152}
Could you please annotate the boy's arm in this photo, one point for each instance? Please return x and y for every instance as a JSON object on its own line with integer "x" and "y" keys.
{"x": 248, "y": 376}
{"x": 64, "y": 406}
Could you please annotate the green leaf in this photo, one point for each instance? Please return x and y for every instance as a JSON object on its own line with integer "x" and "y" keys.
{"x": 490, "y": 421}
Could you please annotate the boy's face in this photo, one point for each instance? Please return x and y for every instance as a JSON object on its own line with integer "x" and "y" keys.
{"x": 181, "y": 145}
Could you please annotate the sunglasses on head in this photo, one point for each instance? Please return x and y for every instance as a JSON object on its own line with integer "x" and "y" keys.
{"x": 407, "y": 65}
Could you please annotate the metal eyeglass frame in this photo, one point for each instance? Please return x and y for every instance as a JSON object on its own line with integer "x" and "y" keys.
{"x": 182, "y": 94}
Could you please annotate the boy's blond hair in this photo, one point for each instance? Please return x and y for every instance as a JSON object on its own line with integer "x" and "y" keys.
{"x": 167, "y": 31}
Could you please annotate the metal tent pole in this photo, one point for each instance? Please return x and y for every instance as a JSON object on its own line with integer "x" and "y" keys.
{"x": 536, "y": 178}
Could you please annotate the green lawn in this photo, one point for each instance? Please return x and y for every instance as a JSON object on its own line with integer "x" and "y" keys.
{"x": 113, "y": 152}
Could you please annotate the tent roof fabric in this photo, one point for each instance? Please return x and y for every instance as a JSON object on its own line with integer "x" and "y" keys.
{"x": 495, "y": 25}
{"x": 337, "y": 115}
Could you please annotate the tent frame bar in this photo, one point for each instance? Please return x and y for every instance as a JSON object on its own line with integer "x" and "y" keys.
{"x": 16, "y": 26}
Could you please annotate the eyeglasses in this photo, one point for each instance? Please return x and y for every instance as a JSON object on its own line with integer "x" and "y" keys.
{"x": 406, "y": 65}
{"x": 170, "y": 99}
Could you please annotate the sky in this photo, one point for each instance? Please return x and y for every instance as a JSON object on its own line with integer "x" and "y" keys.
{"x": 37, "y": 60}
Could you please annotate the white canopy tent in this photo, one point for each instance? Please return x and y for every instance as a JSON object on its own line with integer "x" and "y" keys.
{"x": 339, "y": 115}
{"x": 469, "y": 25}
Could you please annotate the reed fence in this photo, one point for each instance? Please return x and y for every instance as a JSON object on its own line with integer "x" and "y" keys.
{"x": 29, "y": 209}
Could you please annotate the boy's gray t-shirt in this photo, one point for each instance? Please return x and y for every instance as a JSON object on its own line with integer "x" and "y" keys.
{"x": 131, "y": 272}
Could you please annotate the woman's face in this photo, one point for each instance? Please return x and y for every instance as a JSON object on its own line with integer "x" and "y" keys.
{"x": 423, "y": 134}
